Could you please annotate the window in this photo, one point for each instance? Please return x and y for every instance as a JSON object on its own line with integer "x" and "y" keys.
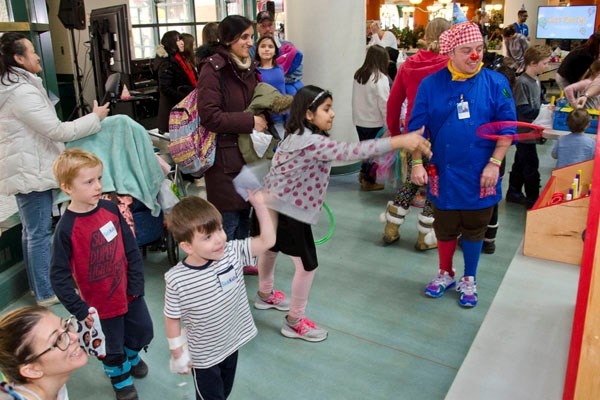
{"x": 150, "y": 19}
{"x": 5, "y": 12}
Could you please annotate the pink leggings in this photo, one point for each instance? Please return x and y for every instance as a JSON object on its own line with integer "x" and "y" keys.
{"x": 301, "y": 283}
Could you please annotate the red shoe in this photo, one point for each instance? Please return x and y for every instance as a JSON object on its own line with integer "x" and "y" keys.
{"x": 250, "y": 270}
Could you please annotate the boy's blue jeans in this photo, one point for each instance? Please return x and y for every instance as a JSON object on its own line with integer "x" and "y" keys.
{"x": 35, "y": 210}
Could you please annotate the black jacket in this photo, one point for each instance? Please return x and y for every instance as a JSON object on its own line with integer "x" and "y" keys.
{"x": 173, "y": 85}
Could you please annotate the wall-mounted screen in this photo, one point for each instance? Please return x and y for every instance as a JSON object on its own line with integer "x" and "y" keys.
{"x": 574, "y": 22}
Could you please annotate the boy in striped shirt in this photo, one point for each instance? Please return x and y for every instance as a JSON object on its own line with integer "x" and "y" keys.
{"x": 206, "y": 292}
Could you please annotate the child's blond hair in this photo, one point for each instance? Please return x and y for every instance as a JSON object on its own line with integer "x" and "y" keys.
{"x": 193, "y": 214}
{"x": 67, "y": 166}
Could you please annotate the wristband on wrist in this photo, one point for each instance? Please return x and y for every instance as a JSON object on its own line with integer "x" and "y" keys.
{"x": 177, "y": 342}
{"x": 495, "y": 162}
{"x": 413, "y": 162}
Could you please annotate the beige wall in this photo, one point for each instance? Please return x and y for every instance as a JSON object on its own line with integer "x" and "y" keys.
{"x": 333, "y": 50}
{"x": 61, "y": 44}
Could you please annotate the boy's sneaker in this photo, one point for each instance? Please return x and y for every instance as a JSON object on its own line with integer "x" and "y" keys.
{"x": 304, "y": 329}
{"x": 438, "y": 286}
{"x": 277, "y": 301}
{"x": 127, "y": 393}
{"x": 467, "y": 287}
{"x": 140, "y": 370}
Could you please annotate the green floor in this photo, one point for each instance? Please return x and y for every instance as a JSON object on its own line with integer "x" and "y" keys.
{"x": 386, "y": 339}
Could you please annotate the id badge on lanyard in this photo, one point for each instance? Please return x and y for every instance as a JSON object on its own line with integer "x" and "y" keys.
{"x": 462, "y": 108}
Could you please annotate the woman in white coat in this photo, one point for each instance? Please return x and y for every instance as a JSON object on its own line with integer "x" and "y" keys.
{"x": 31, "y": 137}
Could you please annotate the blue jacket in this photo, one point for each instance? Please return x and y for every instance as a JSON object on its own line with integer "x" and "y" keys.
{"x": 458, "y": 153}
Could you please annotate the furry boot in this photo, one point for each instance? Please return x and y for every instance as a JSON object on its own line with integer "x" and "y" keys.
{"x": 393, "y": 218}
{"x": 426, "y": 239}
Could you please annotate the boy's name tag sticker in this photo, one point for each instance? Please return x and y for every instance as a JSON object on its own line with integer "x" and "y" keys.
{"x": 463, "y": 110}
{"x": 227, "y": 279}
{"x": 109, "y": 231}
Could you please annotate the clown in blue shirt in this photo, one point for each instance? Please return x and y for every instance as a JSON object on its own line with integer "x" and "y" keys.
{"x": 463, "y": 180}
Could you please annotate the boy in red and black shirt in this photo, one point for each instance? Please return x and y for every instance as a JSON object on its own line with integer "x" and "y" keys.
{"x": 94, "y": 246}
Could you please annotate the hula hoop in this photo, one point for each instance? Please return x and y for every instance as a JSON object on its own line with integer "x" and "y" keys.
{"x": 491, "y": 129}
{"x": 329, "y": 234}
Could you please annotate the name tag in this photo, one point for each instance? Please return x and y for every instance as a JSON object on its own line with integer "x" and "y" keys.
{"x": 109, "y": 231}
{"x": 228, "y": 279}
{"x": 463, "y": 110}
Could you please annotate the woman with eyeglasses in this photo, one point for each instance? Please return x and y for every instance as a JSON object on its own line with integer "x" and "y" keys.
{"x": 177, "y": 77}
{"x": 38, "y": 353}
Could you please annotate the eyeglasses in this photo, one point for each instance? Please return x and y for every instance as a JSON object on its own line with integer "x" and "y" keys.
{"x": 63, "y": 340}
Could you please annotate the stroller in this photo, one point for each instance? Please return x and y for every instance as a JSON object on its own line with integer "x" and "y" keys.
{"x": 132, "y": 178}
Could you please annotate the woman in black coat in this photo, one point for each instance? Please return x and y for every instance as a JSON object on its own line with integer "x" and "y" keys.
{"x": 176, "y": 76}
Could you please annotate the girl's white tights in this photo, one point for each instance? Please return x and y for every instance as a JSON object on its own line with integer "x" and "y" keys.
{"x": 301, "y": 283}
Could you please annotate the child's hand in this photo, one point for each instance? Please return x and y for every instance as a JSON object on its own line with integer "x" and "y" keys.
{"x": 413, "y": 141}
{"x": 257, "y": 198}
{"x": 89, "y": 319}
{"x": 182, "y": 364}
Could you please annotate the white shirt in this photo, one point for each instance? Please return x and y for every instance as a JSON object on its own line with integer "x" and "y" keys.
{"x": 388, "y": 40}
{"x": 369, "y": 101}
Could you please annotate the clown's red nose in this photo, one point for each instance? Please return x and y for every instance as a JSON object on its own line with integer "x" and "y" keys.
{"x": 474, "y": 56}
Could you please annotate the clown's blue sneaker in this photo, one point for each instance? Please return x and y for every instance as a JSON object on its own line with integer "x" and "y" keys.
{"x": 438, "y": 286}
{"x": 467, "y": 287}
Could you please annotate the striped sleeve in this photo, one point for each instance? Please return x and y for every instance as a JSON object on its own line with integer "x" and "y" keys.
{"x": 172, "y": 302}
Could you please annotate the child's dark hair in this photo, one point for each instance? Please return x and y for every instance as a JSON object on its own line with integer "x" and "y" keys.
{"x": 376, "y": 60}
{"x": 191, "y": 215}
{"x": 309, "y": 98}
{"x": 509, "y": 31}
{"x": 262, "y": 39}
{"x": 537, "y": 53}
{"x": 509, "y": 73}
{"x": 578, "y": 120}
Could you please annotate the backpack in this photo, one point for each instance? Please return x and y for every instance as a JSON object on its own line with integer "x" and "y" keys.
{"x": 191, "y": 145}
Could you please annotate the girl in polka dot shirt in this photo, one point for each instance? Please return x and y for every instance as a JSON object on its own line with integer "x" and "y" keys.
{"x": 295, "y": 186}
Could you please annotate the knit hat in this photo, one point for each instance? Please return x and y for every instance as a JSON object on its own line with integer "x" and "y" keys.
{"x": 462, "y": 33}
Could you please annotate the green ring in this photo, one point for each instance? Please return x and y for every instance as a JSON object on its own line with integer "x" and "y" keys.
{"x": 331, "y": 226}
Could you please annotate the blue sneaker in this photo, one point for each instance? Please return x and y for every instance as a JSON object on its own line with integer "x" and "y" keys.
{"x": 467, "y": 287}
{"x": 438, "y": 286}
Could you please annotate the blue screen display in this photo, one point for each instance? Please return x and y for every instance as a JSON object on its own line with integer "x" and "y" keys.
{"x": 575, "y": 22}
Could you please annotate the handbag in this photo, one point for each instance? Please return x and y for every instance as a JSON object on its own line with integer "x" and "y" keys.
{"x": 191, "y": 146}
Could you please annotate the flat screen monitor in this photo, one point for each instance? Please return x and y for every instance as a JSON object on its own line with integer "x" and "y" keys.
{"x": 558, "y": 22}
{"x": 110, "y": 31}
